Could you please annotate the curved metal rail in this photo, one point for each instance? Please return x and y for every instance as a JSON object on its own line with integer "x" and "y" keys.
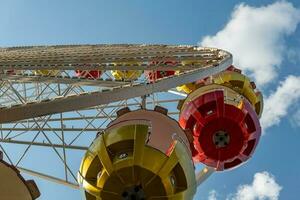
{"x": 106, "y": 57}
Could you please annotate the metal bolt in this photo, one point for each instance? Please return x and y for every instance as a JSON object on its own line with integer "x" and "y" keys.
{"x": 172, "y": 179}
{"x": 123, "y": 155}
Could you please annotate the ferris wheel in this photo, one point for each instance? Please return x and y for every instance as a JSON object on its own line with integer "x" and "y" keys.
{"x": 139, "y": 117}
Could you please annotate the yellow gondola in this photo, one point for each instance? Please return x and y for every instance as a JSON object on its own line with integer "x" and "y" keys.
{"x": 234, "y": 80}
{"x": 117, "y": 164}
{"x": 241, "y": 84}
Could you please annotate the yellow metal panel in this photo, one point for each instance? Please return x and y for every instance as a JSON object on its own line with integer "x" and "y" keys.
{"x": 46, "y": 72}
{"x": 241, "y": 84}
{"x": 187, "y": 88}
{"x": 119, "y": 134}
{"x": 104, "y": 157}
{"x": 140, "y": 135}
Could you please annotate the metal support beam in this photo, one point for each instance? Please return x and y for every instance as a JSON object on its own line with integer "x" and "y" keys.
{"x": 49, "y": 178}
{"x": 30, "y": 78}
{"x": 204, "y": 174}
{"x": 51, "y": 129}
{"x": 43, "y": 144}
{"x": 144, "y": 102}
{"x": 81, "y": 118}
{"x": 177, "y": 93}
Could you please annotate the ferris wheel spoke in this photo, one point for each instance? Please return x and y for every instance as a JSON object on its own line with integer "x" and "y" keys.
{"x": 204, "y": 174}
{"x": 49, "y": 178}
{"x": 30, "y": 78}
{"x": 43, "y": 144}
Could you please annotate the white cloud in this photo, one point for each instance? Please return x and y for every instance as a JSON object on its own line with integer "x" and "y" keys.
{"x": 263, "y": 187}
{"x": 278, "y": 103}
{"x": 212, "y": 195}
{"x": 255, "y": 37}
{"x": 295, "y": 120}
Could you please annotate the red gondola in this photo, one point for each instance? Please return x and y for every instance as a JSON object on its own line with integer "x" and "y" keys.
{"x": 225, "y": 128}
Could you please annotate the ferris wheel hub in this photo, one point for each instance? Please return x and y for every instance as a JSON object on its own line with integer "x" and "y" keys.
{"x": 135, "y": 192}
{"x": 221, "y": 139}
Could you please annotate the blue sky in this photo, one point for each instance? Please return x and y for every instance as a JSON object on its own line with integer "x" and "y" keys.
{"x": 265, "y": 44}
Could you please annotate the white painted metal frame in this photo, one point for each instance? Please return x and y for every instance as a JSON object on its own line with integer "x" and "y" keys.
{"x": 57, "y": 112}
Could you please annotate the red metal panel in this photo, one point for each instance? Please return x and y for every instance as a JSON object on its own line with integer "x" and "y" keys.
{"x": 154, "y": 75}
{"x": 93, "y": 74}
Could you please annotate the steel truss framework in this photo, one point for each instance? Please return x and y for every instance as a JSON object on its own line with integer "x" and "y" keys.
{"x": 63, "y": 113}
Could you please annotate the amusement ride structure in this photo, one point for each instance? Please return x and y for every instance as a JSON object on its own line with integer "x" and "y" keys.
{"x": 142, "y": 115}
